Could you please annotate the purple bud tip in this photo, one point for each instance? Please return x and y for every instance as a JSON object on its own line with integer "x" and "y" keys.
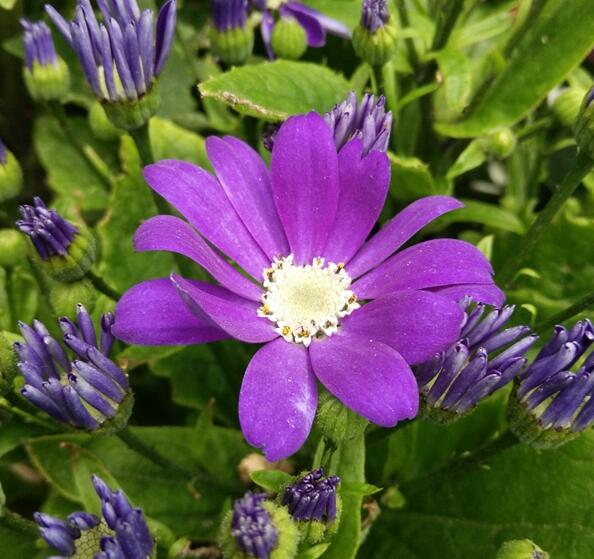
{"x": 252, "y": 527}
{"x": 375, "y": 14}
{"x": 312, "y": 497}
{"x": 229, "y": 14}
{"x": 50, "y": 233}
{"x": 39, "y": 45}
{"x": 590, "y": 96}
{"x": 2, "y": 153}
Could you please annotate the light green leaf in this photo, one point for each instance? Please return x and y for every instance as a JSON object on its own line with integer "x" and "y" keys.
{"x": 271, "y": 480}
{"x": 360, "y": 489}
{"x": 275, "y": 90}
{"x": 313, "y": 552}
{"x": 411, "y": 178}
{"x": 553, "y": 46}
{"x": 486, "y": 214}
{"x": 7, "y": 4}
{"x": 170, "y": 141}
{"x": 455, "y": 69}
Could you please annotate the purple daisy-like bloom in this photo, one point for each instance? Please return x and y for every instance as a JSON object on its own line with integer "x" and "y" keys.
{"x": 122, "y": 56}
{"x": 49, "y": 232}
{"x": 252, "y": 527}
{"x": 484, "y": 359}
{"x": 312, "y": 497}
{"x": 84, "y": 391}
{"x": 39, "y": 45}
{"x": 121, "y": 533}
{"x": 314, "y": 23}
{"x": 328, "y": 304}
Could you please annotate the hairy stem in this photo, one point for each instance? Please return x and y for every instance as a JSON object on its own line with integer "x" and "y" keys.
{"x": 100, "y": 285}
{"x": 17, "y": 523}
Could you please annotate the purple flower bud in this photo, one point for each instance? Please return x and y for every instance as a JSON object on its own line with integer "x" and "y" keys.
{"x": 39, "y": 45}
{"x": 312, "y": 497}
{"x": 252, "y": 527}
{"x": 229, "y": 14}
{"x": 374, "y": 15}
{"x": 485, "y": 358}
{"x": 83, "y": 389}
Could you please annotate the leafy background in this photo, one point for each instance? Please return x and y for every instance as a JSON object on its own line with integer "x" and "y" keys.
{"x": 496, "y": 70}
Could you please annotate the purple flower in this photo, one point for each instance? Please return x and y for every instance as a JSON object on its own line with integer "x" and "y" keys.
{"x": 2, "y": 153}
{"x": 327, "y": 304}
{"x": 312, "y": 497}
{"x": 252, "y": 527}
{"x": 314, "y": 23}
{"x": 123, "y": 55}
{"x": 84, "y": 391}
{"x": 39, "y": 45}
{"x": 49, "y": 232}
{"x": 557, "y": 397}
{"x": 374, "y": 14}
{"x": 121, "y": 533}
{"x": 229, "y": 14}
{"x": 485, "y": 358}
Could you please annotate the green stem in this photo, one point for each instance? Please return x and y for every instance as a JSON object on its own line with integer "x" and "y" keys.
{"x": 377, "y": 79}
{"x": 582, "y": 166}
{"x": 581, "y": 305}
{"x": 88, "y": 154}
{"x": 100, "y": 285}
{"x": 17, "y": 523}
{"x": 351, "y": 469}
{"x": 409, "y": 42}
{"x": 138, "y": 445}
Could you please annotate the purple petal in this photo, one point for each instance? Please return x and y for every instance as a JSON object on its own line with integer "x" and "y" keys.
{"x": 166, "y": 232}
{"x": 233, "y": 314}
{"x": 316, "y": 36}
{"x": 278, "y": 399}
{"x": 245, "y": 179}
{"x": 364, "y": 185}
{"x": 489, "y": 294}
{"x": 266, "y": 29}
{"x": 329, "y": 24}
{"x": 61, "y": 24}
{"x": 368, "y": 377}
{"x": 436, "y": 263}
{"x": 165, "y": 33}
{"x": 145, "y": 46}
{"x": 198, "y": 196}
{"x": 152, "y": 313}
{"x": 399, "y": 230}
{"x": 417, "y": 324}
{"x": 304, "y": 171}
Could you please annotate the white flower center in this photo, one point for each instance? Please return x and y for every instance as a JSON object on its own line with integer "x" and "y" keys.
{"x": 306, "y": 302}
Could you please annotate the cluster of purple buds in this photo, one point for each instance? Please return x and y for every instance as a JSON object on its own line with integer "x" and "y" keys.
{"x": 485, "y": 358}
{"x": 312, "y": 497}
{"x": 375, "y": 38}
{"x": 122, "y": 56}
{"x": 49, "y": 232}
{"x": 121, "y": 533}
{"x": 252, "y": 527}
{"x": 84, "y": 390}
{"x": 39, "y": 45}
{"x": 368, "y": 121}
{"x": 374, "y": 14}
{"x": 557, "y": 398}
{"x": 229, "y": 14}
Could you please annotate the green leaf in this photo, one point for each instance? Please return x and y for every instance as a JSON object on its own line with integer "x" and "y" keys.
{"x": 519, "y": 493}
{"x": 170, "y": 141}
{"x": 486, "y": 214}
{"x": 455, "y": 68}
{"x": 411, "y": 178}
{"x": 271, "y": 480}
{"x": 553, "y": 46}
{"x": 360, "y": 489}
{"x": 472, "y": 157}
{"x": 314, "y": 552}
{"x": 24, "y": 294}
{"x": 275, "y": 90}
{"x": 7, "y": 4}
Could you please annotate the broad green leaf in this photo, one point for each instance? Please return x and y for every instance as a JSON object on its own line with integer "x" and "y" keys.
{"x": 271, "y": 480}
{"x": 69, "y": 173}
{"x": 170, "y": 141}
{"x": 519, "y": 493}
{"x": 176, "y": 83}
{"x": 486, "y": 214}
{"x": 345, "y": 11}
{"x": 313, "y": 552}
{"x": 361, "y": 489}
{"x": 553, "y": 46}
{"x": 275, "y": 90}
{"x": 455, "y": 69}
{"x": 472, "y": 157}
{"x": 411, "y": 178}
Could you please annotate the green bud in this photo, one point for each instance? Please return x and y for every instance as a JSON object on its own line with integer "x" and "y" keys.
{"x": 48, "y": 83}
{"x": 289, "y": 39}
{"x": 64, "y": 297}
{"x": 120, "y": 420}
{"x": 567, "y": 105}
{"x": 11, "y": 178}
{"x": 336, "y": 421}
{"x": 82, "y": 253}
{"x": 375, "y": 48}
{"x": 233, "y": 46}
{"x": 528, "y": 429}
{"x": 521, "y": 549}
{"x": 129, "y": 115}
{"x": 8, "y": 364}
{"x": 434, "y": 414}
{"x": 101, "y": 126}
{"x": 13, "y": 247}
{"x": 584, "y": 125}
{"x": 500, "y": 144}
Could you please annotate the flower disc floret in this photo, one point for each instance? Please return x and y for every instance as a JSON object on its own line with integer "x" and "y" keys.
{"x": 306, "y": 302}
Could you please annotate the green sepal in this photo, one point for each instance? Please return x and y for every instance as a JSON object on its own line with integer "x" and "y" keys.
{"x": 337, "y": 422}
{"x": 566, "y": 106}
{"x": 437, "y": 415}
{"x": 13, "y": 248}
{"x": 289, "y": 39}
{"x": 64, "y": 297}
{"x": 120, "y": 420}
{"x": 233, "y": 46}
{"x": 313, "y": 531}
{"x": 8, "y": 364}
{"x": 375, "y": 48}
{"x": 11, "y": 178}
{"x": 82, "y": 253}
{"x": 500, "y": 143}
{"x": 129, "y": 115}
{"x": 521, "y": 549}
{"x": 101, "y": 126}
{"x": 526, "y": 426}
{"x": 48, "y": 83}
